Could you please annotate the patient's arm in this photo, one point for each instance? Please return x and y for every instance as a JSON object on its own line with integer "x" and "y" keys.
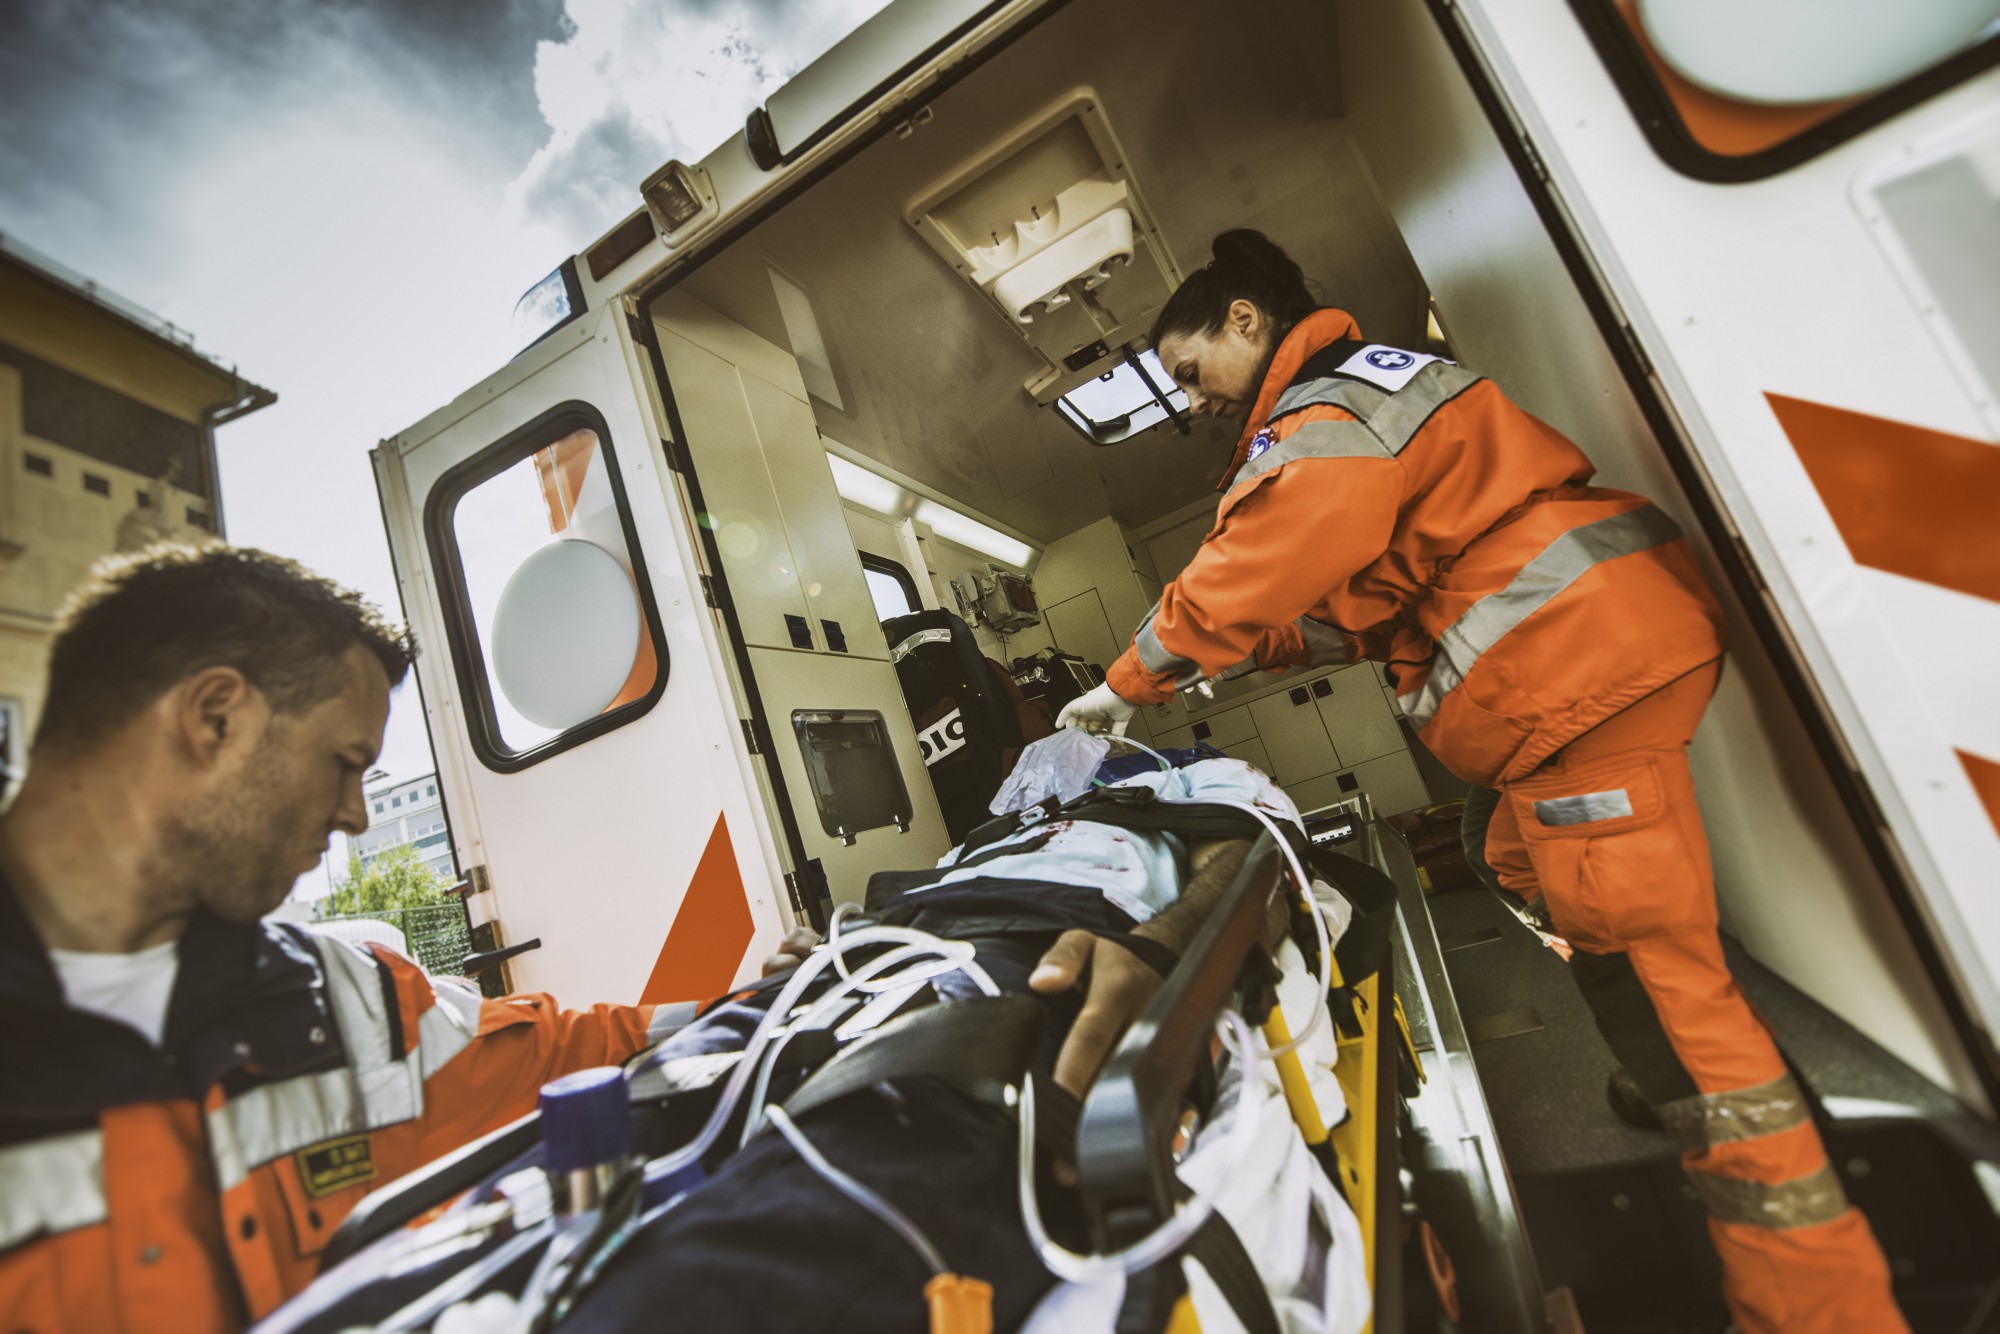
{"x": 1121, "y": 985}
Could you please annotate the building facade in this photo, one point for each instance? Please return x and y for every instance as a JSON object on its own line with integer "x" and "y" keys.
{"x": 407, "y": 814}
{"x": 107, "y": 443}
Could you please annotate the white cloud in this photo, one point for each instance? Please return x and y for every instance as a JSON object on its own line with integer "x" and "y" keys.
{"x": 637, "y": 83}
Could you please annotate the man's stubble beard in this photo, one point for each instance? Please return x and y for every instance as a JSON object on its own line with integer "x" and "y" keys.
{"x": 228, "y": 853}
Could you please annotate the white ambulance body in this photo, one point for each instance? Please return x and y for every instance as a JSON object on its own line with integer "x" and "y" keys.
{"x": 843, "y": 335}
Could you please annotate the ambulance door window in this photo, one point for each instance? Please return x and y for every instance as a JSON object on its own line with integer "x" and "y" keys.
{"x": 554, "y": 633}
{"x": 890, "y": 585}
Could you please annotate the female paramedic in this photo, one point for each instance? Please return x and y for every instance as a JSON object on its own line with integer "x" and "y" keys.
{"x": 1548, "y": 638}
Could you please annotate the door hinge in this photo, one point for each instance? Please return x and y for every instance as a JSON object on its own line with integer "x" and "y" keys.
{"x": 1541, "y": 169}
{"x": 750, "y": 736}
{"x": 1638, "y": 350}
{"x": 708, "y": 592}
{"x": 676, "y": 460}
{"x": 1749, "y": 562}
{"x": 792, "y": 892}
{"x": 475, "y": 880}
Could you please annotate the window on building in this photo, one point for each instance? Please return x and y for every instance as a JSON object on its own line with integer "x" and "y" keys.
{"x": 144, "y": 498}
{"x": 378, "y": 808}
{"x": 395, "y": 801}
{"x": 549, "y": 606}
{"x": 1131, "y": 397}
{"x": 97, "y": 486}
{"x": 430, "y": 789}
{"x": 200, "y": 518}
{"x": 38, "y": 465}
{"x": 890, "y": 584}
{"x": 433, "y": 841}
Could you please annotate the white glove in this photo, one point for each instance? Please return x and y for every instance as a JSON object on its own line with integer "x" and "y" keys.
{"x": 1102, "y": 710}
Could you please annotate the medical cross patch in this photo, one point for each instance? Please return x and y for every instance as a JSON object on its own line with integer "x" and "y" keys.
{"x": 1387, "y": 368}
{"x": 1259, "y": 443}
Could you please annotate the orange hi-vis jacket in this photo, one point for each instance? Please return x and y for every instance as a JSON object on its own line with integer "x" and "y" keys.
{"x": 1391, "y": 505}
{"x": 192, "y": 1186}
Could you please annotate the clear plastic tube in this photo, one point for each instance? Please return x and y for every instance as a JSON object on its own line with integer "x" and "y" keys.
{"x": 859, "y": 1193}
{"x": 951, "y": 956}
{"x": 1304, "y": 883}
{"x": 760, "y": 1038}
{"x": 1169, "y": 1236}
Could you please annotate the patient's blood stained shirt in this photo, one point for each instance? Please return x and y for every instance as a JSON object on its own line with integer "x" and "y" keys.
{"x": 1139, "y": 873}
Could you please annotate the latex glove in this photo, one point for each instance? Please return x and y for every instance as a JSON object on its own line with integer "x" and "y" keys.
{"x": 1102, "y": 710}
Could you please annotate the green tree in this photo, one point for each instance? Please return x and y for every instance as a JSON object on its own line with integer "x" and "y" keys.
{"x": 396, "y": 879}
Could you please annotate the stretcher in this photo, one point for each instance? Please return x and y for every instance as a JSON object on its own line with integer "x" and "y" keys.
{"x": 1364, "y": 1153}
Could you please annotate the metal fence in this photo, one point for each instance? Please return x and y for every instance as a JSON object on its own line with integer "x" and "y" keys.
{"x": 438, "y": 933}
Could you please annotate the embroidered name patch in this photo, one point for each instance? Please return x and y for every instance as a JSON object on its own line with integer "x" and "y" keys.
{"x": 1384, "y": 367}
{"x": 336, "y": 1164}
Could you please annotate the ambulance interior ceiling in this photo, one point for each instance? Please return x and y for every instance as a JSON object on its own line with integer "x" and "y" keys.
{"x": 1226, "y": 122}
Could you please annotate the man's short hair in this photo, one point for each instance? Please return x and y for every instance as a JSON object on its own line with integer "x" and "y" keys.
{"x": 143, "y": 622}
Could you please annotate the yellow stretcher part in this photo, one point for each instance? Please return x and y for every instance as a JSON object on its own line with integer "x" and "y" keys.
{"x": 1292, "y": 1074}
{"x": 1409, "y": 1043}
{"x": 1354, "y": 1140}
{"x": 959, "y": 1305}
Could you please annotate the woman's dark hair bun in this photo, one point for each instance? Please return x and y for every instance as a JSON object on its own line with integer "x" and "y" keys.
{"x": 1248, "y": 266}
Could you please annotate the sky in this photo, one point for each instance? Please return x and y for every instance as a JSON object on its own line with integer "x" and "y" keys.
{"x": 344, "y": 199}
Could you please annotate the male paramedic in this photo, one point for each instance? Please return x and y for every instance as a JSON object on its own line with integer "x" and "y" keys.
{"x": 193, "y": 1098}
{"x": 1549, "y": 639}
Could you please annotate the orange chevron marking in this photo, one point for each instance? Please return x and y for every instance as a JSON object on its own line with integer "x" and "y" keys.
{"x": 1907, "y": 500}
{"x": 709, "y": 933}
{"x": 1985, "y": 776}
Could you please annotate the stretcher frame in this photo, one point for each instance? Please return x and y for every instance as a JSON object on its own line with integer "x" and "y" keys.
{"x": 1391, "y": 1150}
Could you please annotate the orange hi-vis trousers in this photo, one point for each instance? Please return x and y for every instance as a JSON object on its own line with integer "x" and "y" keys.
{"x": 1606, "y": 833}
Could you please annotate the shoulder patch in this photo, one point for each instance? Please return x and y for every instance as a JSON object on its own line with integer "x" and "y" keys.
{"x": 1387, "y": 368}
{"x": 1259, "y": 443}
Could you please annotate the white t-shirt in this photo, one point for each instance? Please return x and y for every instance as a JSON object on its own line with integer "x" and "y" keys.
{"x": 132, "y": 989}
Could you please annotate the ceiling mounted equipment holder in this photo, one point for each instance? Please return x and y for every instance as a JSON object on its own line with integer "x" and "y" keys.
{"x": 1047, "y": 224}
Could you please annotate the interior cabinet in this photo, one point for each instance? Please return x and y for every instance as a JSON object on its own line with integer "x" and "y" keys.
{"x": 1293, "y": 735}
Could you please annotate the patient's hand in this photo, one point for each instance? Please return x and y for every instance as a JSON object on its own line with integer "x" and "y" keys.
{"x": 1121, "y": 986}
{"x": 796, "y": 947}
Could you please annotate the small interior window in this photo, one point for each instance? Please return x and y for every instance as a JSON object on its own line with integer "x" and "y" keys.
{"x": 553, "y": 628}
{"x": 890, "y": 584}
{"x": 1133, "y": 396}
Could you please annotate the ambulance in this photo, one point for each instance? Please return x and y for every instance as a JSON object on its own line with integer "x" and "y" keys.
{"x": 884, "y": 352}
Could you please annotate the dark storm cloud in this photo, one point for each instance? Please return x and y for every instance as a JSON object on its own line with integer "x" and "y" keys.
{"x": 101, "y": 100}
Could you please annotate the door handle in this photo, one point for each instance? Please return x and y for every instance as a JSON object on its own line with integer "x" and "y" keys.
{"x": 475, "y": 964}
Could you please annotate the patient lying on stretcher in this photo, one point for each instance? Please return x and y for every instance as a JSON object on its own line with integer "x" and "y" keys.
{"x": 752, "y": 1230}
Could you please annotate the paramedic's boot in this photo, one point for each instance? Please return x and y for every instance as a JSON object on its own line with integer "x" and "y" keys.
{"x": 1630, "y": 1105}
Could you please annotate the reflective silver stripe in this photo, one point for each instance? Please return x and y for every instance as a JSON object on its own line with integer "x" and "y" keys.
{"x": 917, "y": 641}
{"x": 1325, "y": 646}
{"x": 1559, "y": 564}
{"x": 1586, "y": 809}
{"x": 378, "y": 1087}
{"x": 51, "y": 1185}
{"x": 1805, "y": 1202}
{"x": 1333, "y": 391}
{"x": 1243, "y": 668}
{"x": 1156, "y": 657}
{"x": 1721, "y": 1118}
{"x": 670, "y": 1019}
{"x": 1316, "y": 440}
{"x": 1395, "y": 418}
